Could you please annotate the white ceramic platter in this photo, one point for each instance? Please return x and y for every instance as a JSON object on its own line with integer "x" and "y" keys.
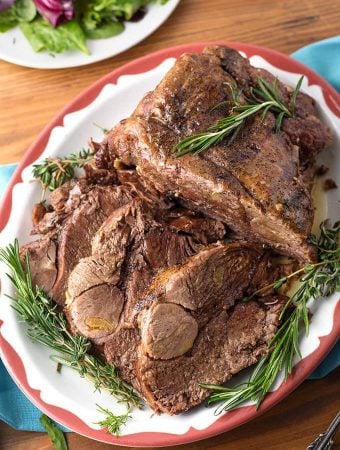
{"x": 65, "y": 396}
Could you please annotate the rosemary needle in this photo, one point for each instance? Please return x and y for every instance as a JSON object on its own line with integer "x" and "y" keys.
{"x": 319, "y": 280}
{"x": 264, "y": 98}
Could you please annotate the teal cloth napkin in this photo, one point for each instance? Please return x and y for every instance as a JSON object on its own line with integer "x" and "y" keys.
{"x": 15, "y": 408}
{"x": 324, "y": 58}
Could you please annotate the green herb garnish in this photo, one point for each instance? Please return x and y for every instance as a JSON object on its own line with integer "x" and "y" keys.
{"x": 48, "y": 326}
{"x": 53, "y": 172}
{"x": 112, "y": 422}
{"x": 320, "y": 280}
{"x": 56, "y": 435}
{"x": 263, "y": 99}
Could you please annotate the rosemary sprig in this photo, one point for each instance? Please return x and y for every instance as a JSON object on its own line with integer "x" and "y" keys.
{"x": 264, "y": 98}
{"x": 104, "y": 130}
{"x": 53, "y": 172}
{"x": 112, "y": 422}
{"x": 276, "y": 285}
{"x": 49, "y": 327}
{"x": 319, "y": 280}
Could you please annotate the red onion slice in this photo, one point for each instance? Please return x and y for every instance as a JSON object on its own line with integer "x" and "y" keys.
{"x": 55, "y": 11}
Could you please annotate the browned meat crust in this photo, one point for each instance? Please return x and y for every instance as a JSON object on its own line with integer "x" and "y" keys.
{"x": 254, "y": 185}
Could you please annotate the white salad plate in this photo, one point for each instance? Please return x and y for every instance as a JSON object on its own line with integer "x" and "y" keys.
{"x": 15, "y": 48}
{"x": 66, "y": 397}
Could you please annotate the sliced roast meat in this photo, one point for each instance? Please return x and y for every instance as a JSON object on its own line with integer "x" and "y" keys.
{"x": 88, "y": 273}
{"x": 254, "y": 184}
{"x": 128, "y": 249}
{"x": 153, "y": 261}
{"x": 160, "y": 248}
{"x": 94, "y": 318}
{"x": 80, "y": 211}
{"x": 230, "y": 342}
{"x": 108, "y": 249}
{"x": 75, "y": 240}
{"x": 167, "y": 330}
{"x": 121, "y": 349}
{"x": 213, "y": 279}
{"x": 177, "y": 318}
{"x": 203, "y": 229}
{"x": 42, "y": 260}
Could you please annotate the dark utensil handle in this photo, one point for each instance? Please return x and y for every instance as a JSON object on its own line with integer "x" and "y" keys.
{"x": 325, "y": 440}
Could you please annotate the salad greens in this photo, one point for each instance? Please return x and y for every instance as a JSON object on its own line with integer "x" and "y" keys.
{"x": 8, "y": 20}
{"x": 59, "y": 25}
{"x": 25, "y": 10}
{"x": 42, "y": 36}
{"x": 19, "y": 11}
{"x": 56, "y": 435}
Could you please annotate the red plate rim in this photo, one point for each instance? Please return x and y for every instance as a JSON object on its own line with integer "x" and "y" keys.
{"x": 241, "y": 415}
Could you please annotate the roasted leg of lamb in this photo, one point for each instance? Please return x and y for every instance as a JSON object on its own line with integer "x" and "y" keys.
{"x": 255, "y": 185}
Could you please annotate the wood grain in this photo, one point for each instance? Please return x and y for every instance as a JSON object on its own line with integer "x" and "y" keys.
{"x": 29, "y": 98}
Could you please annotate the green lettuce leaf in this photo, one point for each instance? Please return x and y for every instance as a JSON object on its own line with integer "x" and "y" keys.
{"x": 42, "y": 36}
{"x": 103, "y": 18}
{"x": 56, "y": 435}
{"x": 8, "y": 20}
{"x": 25, "y": 10}
{"x": 104, "y": 10}
{"x": 21, "y": 11}
{"x": 105, "y": 30}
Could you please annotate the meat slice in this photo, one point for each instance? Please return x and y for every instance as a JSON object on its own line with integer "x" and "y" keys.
{"x": 167, "y": 331}
{"x": 231, "y": 341}
{"x": 203, "y": 229}
{"x": 208, "y": 282}
{"x": 42, "y": 259}
{"x": 67, "y": 232}
{"x": 121, "y": 349}
{"x": 214, "y": 278}
{"x": 254, "y": 184}
{"x": 127, "y": 251}
{"x": 93, "y": 320}
{"x": 75, "y": 240}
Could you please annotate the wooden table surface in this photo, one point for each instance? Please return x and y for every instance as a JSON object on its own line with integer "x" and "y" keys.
{"x": 29, "y": 98}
